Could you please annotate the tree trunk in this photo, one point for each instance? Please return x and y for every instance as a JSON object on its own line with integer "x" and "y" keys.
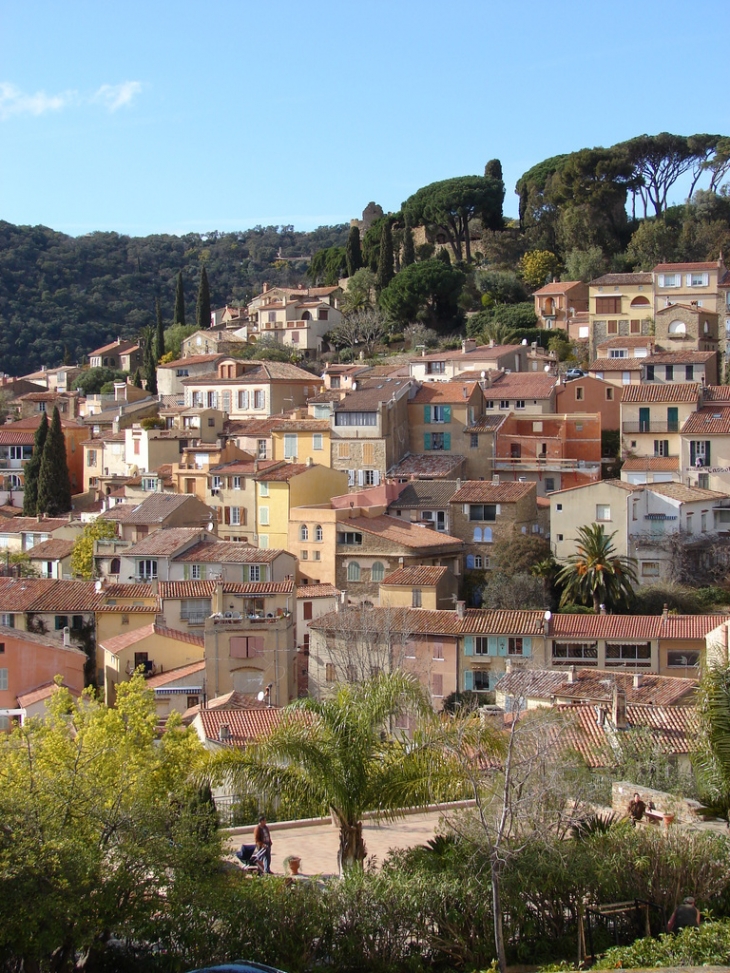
{"x": 351, "y": 852}
{"x": 494, "y": 868}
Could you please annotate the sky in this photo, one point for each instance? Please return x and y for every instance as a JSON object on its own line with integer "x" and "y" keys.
{"x": 176, "y": 117}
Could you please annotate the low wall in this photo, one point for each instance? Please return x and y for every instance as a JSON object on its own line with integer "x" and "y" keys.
{"x": 683, "y": 809}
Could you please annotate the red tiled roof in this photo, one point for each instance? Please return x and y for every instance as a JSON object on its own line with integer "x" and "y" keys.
{"x": 244, "y": 726}
{"x": 32, "y": 525}
{"x": 302, "y": 425}
{"x": 120, "y": 346}
{"x": 120, "y": 642}
{"x": 684, "y": 493}
{"x": 616, "y": 365}
{"x": 716, "y": 393}
{"x": 668, "y": 268}
{"x": 416, "y": 576}
{"x": 486, "y": 352}
{"x": 628, "y": 341}
{"x": 634, "y": 626}
{"x": 164, "y": 542}
{"x": 680, "y": 357}
{"x": 484, "y": 491}
{"x": 522, "y": 385}
{"x": 401, "y": 532}
{"x": 51, "y": 550}
{"x": 158, "y": 507}
{"x": 670, "y": 729}
{"x": 191, "y": 360}
{"x": 228, "y": 552}
{"x": 596, "y": 684}
{"x": 16, "y": 437}
{"x": 317, "y": 591}
{"x": 43, "y": 692}
{"x": 428, "y": 465}
{"x": 557, "y": 287}
{"x": 172, "y": 675}
{"x": 713, "y": 421}
{"x": 674, "y": 392}
{"x": 134, "y": 590}
{"x": 453, "y": 392}
{"x": 174, "y": 590}
{"x": 282, "y": 473}
{"x": 657, "y": 464}
{"x": 618, "y": 279}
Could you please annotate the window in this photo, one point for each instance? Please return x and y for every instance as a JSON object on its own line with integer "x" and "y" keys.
{"x": 259, "y": 399}
{"x": 570, "y": 653}
{"x": 264, "y": 516}
{"x": 236, "y": 482}
{"x": 318, "y": 533}
{"x": 608, "y": 305}
{"x": 634, "y": 325}
{"x": 263, "y": 489}
{"x": 295, "y": 337}
{"x": 612, "y": 327}
{"x": 437, "y": 684}
{"x": 669, "y": 372}
{"x": 703, "y": 521}
{"x": 216, "y": 483}
{"x": 519, "y": 403}
{"x": 690, "y": 521}
{"x": 91, "y": 457}
{"x": 304, "y": 555}
{"x": 356, "y": 418}
{"x": 481, "y": 680}
{"x": 290, "y": 446}
{"x": 3, "y": 679}
{"x": 515, "y": 646}
{"x": 146, "y": 569}
{"x": 670, "y": 280}
{"x": 483, "y": 511}
{"x": 698, "y": 280}
{"x": 603, "y": 512}
{"x": 318, "y": 441}
{"x": 441, "y": 413}
{"x": 304, "y": 533}
{"x": 343, "y": 450}
{"x": 353, "y": 571}
{"x": 579, "y": 393}
{"x": 504, "y": 403}
{"x": 330, "y": 674}
{"x": 370, "y": 477}
{"x": 609, "y": 395}
{"x": 661, "y": 447}
{"x": 236, "y": 516}
{"x": 638, "y": 655}
{"x": 322, "y": 314}
{"x": 437, "y": 440}
{"x": 60, "y": 622}
{"x": 136, "y": 447}
{"x": 650, "y": 373}
{"x": 116, "y": 566}
{"x": 350, "y": 538}
{"x": 317, "y": 555}
{"x": 377, "y": 572}
{"x": 261, "y": 449}
{"x": 263, "y": 542}
{"x": 194, "y": 611}
{"x": 254, "y": 572}
{"x": 677, "y": 327}
{"x": 699, "y": 452}
{"x": 689, "y": 373}
{"x": 626, "y": 378}
{"x": 473, "y": 440}
{"x": 618, "y": 353}
{"x": 649, "y": 569}
{"x": 683, "y": 659}
{"x": 416, "y": 598}
{"x": 149, "y": 484}
{"x": 195, "y": 572}
{"x": 368, "y": 454}
{"x": 479, "y": 562}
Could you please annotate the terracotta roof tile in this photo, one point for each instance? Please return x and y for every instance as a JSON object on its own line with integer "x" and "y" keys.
{"x": 680, "y": 357}
{"x": 51, "y": 550}
{"x": 192, "y": 360}
{"x": 302, "y": 425}
{"x": 428, "y": 465}
{"x": 416, "y": 576}
{"x": 711, "y": 421}
{"x": 685, "y": 494}
{"x": 616, "y": 365}
{"x": 484, "y": 491}
{"x": 244, "y": 726}
{"x": 481, "y": 352}
{"x": 32, "y": 525}
{"x": 174, "y": 590}
{"x": 557, "y": 287}
{"x": 656, "y": 464}
{"x": 228, "y": 552}
{"x": 716, "y": 393}
{"x": 676, "y": 392}
{"x": 596, "y": 685}
{"x": 618, "y": 279}
{"x": 172, "y": 675}
{"x": 522, "y": 385}
{"x": 120, "y": 642}
{"x": 635, "y": 626}
{"x": 280, "y": 474}
{"x": 164, "y": 542}
{"x": 425, "y": 494}
{"x": 401, "y": 532}
{"x": 16, "y": 437}
{"x": 670, "y": 729}
{"x": 628, "y": 341}
{"x": 434, "y": 392}
{"x": 668, "y": 268}
{"x": 374, "y": 392}
{"x": 156, "y": 508}
{"x": 317, "y": 591}
{"x": 44, "y": 692}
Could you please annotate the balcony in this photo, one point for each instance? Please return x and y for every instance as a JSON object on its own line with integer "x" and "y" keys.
{"x": 650, "y": 426}
{"x": 533, "y": 464}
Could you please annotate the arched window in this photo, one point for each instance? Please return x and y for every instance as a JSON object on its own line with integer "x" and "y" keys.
{"x": 306, "y": 316}
{"x": 353, "y": 571}
{"x": 487, "y": 535}
{"x": 15, "y": 482}
{"x": 304, "y": 533}
{"x": 640, "y": 301}
{"x": 318, "y": 533}
{"x": 377, "y": 572}
{"x": 116, "y": 566}
{"x": 478, "y": 534}
{"x": 678, "y": 327}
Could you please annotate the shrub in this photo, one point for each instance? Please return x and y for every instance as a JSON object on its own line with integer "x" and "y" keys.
{"x": 707, "y": 946}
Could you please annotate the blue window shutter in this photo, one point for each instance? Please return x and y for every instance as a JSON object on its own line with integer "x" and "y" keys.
{"x": 527, "y": 647}
{"x": 493, "y": 645}
{"x": 469, "y": 561}
{"x": 186, "y": 572}
{"x": 447, "y": 413}
{"x": 447, "y": 440}
{"x": 427, "y": 413}
{"x": 468, "y": 679}
{"x": 427, "y": 440}
{"x": 469, "y": 645}
{"x": 502, "y": 644}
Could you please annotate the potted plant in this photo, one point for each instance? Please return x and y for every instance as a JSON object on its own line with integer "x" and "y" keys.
{"x": 293, "y": 862}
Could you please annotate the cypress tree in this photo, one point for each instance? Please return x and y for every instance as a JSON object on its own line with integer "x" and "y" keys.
{"x": 137, "y": 380}
{"x": 203, "y": 308}
{"x": 150, "y": 366}
{"x": 493, "y": 169}
{"x": 409, "y": 251}
{"x": 54, "y": 485}
{"x": 385, "y": 261}
{"x": 32, "y": 469}
{"x": 353, "y": 251}
{"x": 178, "y": 316}
{"x": 444, "y": 256}
{"x": 160, "y": 340}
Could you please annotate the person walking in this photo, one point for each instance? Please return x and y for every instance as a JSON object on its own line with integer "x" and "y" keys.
{"x": 262, "y": 839}
{"x": 686, "y": 914}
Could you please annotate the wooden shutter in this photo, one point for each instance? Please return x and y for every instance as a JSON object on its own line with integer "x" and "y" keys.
{"x": 447, "y": 440}
{"x": 307, "y": 609}
{"x": 527, "y": 647}
{"x": 427, "y": 440}
{"x": 427, "y": 413}
{"x": 468, "y": 679}
{"x": 447, "y": 413}
{"x": 227, "y": 515}
{"x": 469, "y": 645}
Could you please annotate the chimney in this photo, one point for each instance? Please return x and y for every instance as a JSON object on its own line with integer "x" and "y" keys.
{"x": 637, "y": 680}
{"x": 461, "y": 609}
{"x": 665, "y": 613}
{"x": 601, "y": 715}
{"x": 571, "y": 680}
{"x": 508, "y": 666}
{"x": 224, "y": 733}
{"x": 310, "y": 461}
{"x": 264, "y": 288}
{"x": 66, "y": 635}
{"x": 342, "y": 601}
{"x": 458, "y": 483}
{"x": 218, "y": 605}
{"x": 618, "y": 709}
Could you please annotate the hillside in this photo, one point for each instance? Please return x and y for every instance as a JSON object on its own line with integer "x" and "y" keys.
{"x": 61, "y": 294}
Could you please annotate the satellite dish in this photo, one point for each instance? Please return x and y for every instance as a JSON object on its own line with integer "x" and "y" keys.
{"x": 261, "y": 696}
{"x": 548, "y": 615}
{"x": 546, "y": 368}
{"x": 211, "y": 525}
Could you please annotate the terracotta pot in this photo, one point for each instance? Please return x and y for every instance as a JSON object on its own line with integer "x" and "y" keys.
{"x": 668, "y": 819}
{"x": 294, "y": 865}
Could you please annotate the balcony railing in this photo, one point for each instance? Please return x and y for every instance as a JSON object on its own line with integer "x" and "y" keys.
{"x": 650, "y": 425}
{"x": 540, "y": 463}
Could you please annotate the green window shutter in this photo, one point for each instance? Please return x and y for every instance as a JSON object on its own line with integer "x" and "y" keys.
{"x": 468, "y": 679}
{"x": 427, "y": 413}
{"x": 427, "y": 440}
{"x": 186, "y": 572}
{"x": 502, "y": 645}
{"x": 264, "y": 570}
{"x": 447, "y": 413}
{"x": 493, "y": 645}
{"x": 203, "y": 572}
{"x": 527, "y": 647}
{"x": 447, "y": 440}
{"x": 469, "y": 645}
{"x": 245, "y": 572}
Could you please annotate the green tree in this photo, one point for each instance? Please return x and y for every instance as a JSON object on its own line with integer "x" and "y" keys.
{"x": 32, "y": 469}
{"x": 338, "y": 753}
{"x": 596, "y": 575}
{"x": 174, "y": 337}
{"x": 711, "y": 751}
{"x": 92, "y": 381}
{"x": 203, "y": 310}
{"x": 537, "y": 267}
{"x": 364, "y": 328}
{"x": 54, "y": 485}
{"x": 493, "y": 169}
{"x": 178, "y": 315}
{"x": 328, "y": 266}
{"x": 137, "y": 380}
{"x": 386, "y": 271}
{"x": 353, "y": 251}
{"x": 150, "y": 365}
{"x": 160, "y": 332}
{"x": 409, "y": 252}
{"x": 359, "y": 294}
{"x": 500, "y": 287}
{"x": 98, "y": 834}
{"x": 82, "y": 555}
{"x": 428, "y": 292}
{"x": 450, "y": 205}
{"x": 660, "y": 160}
{"x": 585, "y": 265}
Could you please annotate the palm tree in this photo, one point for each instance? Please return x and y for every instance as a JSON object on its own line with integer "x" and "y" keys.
{"x": 711, "y": 751}
{"x": 498, "y": 332}
{"x": 597, "y": 574}
{"x": 337, "y": 753}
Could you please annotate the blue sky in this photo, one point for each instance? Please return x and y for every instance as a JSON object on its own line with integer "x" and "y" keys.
{"x": 145, "y": 117}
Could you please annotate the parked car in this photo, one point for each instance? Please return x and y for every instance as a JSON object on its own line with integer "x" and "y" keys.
{"x": 574, "y": 373}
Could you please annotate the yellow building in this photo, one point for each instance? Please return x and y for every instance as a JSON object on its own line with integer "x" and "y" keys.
{"x": 619, "y": 304}
{"x": 288, "y": 486}
{"x": 653, "y": 415}
{"x": 301, "y": 440}
{"x": 419, "y": 587}
{"x": 154, "y": 648}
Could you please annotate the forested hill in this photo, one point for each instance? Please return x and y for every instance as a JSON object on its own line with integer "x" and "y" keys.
{"x": 63, "y": 295}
